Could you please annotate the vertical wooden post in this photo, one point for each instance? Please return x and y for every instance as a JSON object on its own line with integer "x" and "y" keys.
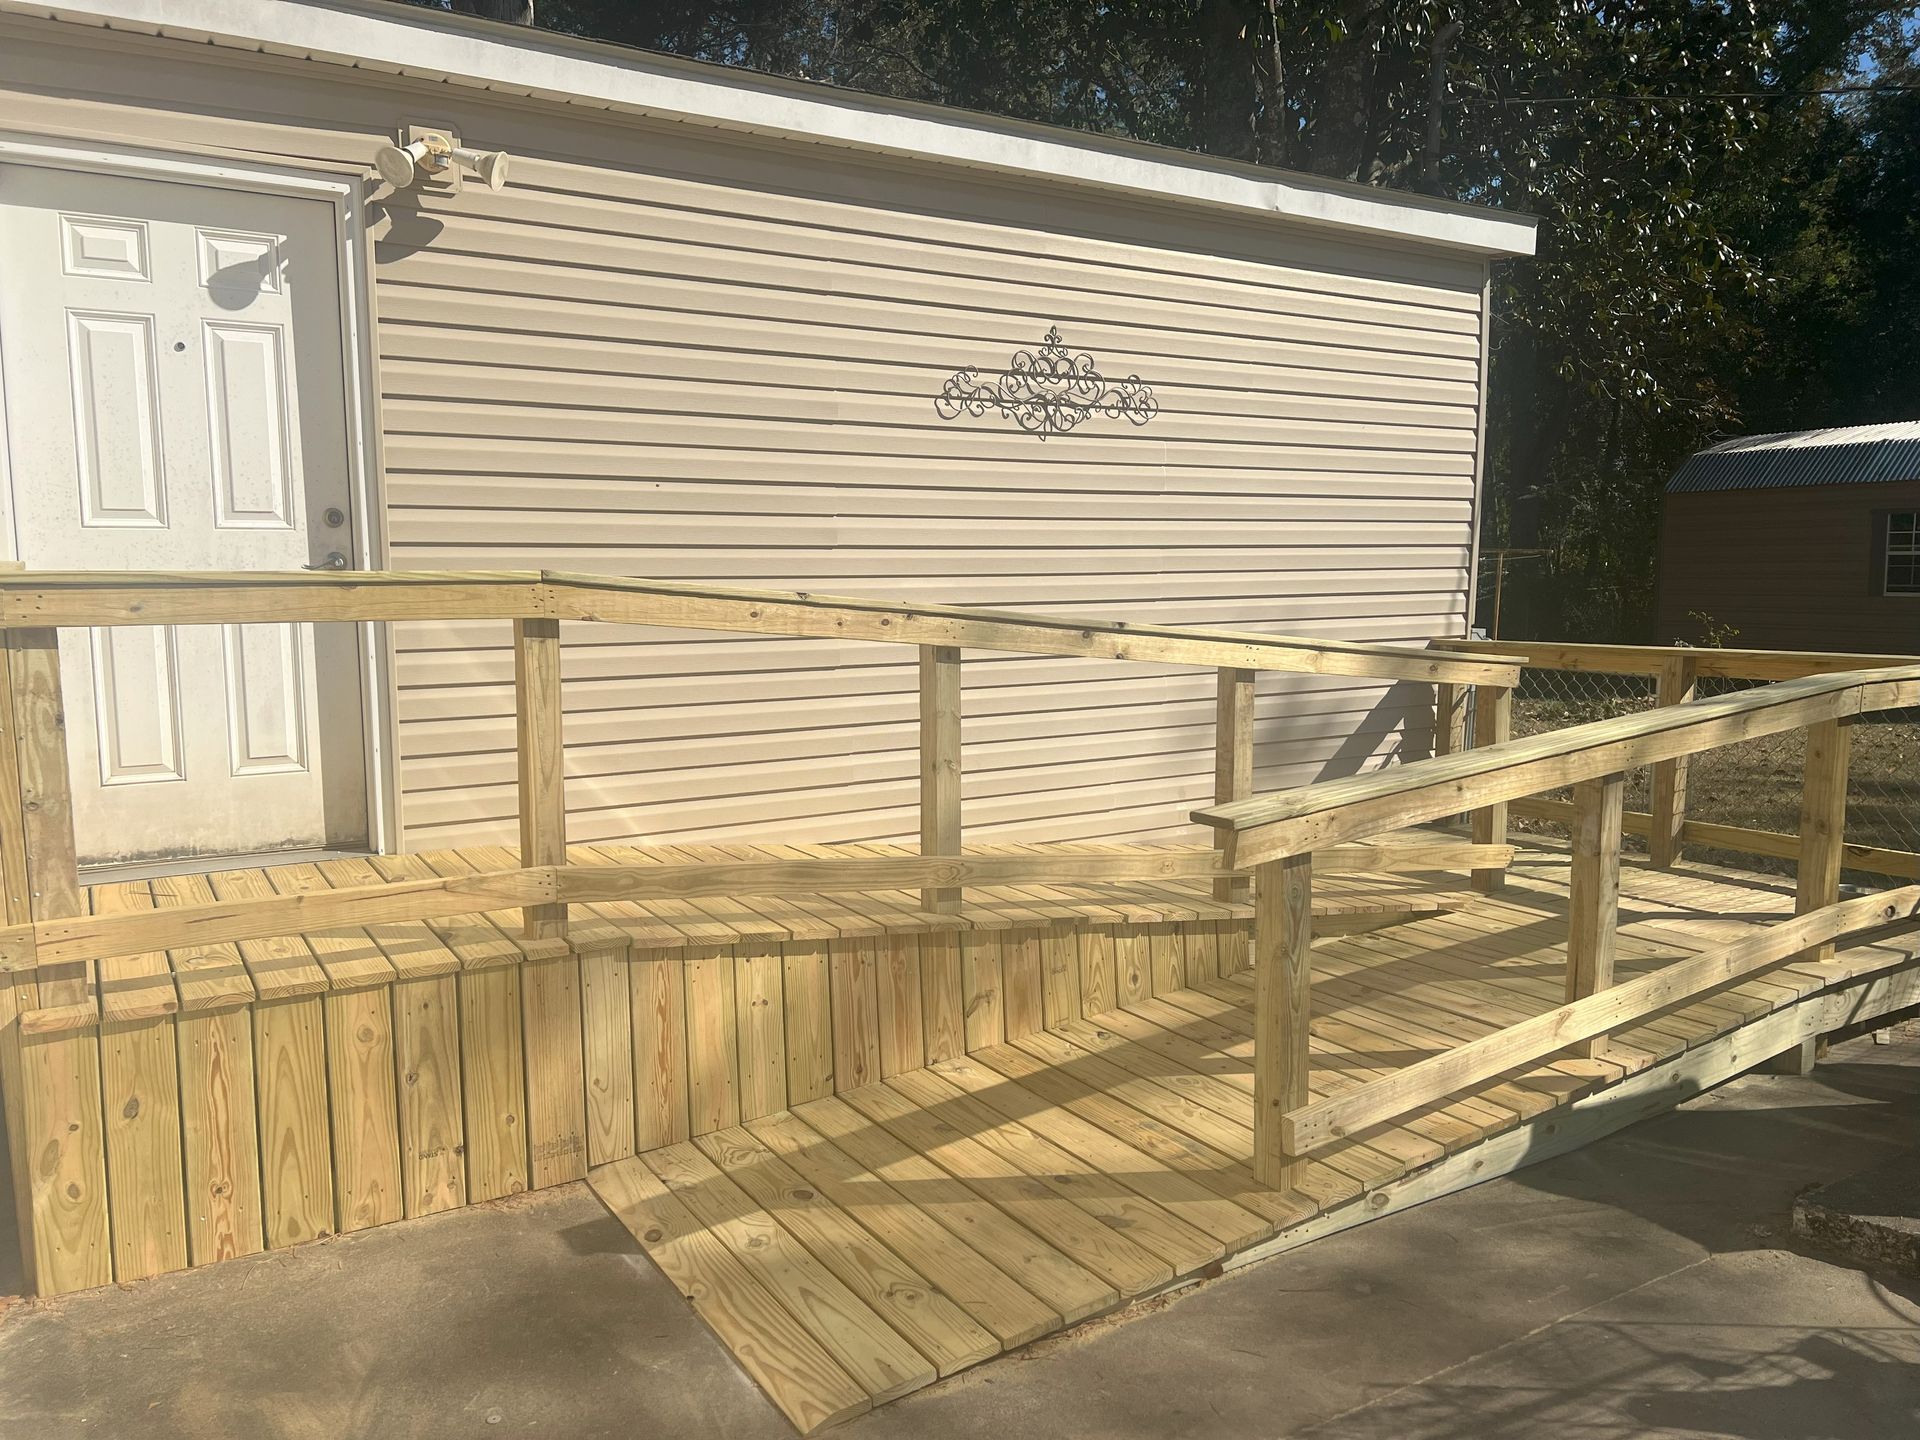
{"x": 1282, "y": 1001}
{"x": 1676, "y": 687}
{"x": 940, "y": 764}
{"x": 1449, "y": 718}
{"x": 1492, "y": 723}
{"x": 1593, "y": 903}
{"x": 1232, "y": 760}
{"x": 18, "y": 991}
{"x": 1823, "y": 823}
{"x": 46, "y": 815}
{"x": 52, "y": 1080}
{"x": 543, "y": 801}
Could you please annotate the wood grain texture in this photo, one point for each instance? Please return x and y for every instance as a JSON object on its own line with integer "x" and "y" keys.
{"x": 1823, "y": 822}
{"x": 760, "y": 1013}
{"x": 220, "y": 1142}
{"x": 853, "y": 974}
{"x": 1492, "y": 725}
{"x": 940, "y": 760}
{"x": 556, "y": 1071}
{"x": 885, "y": 1364}
{"x": 807, "y": 1384}
{"x": 493, "y": 1082}
{"x": 1282, "y": 969}
{"x": 1069, "y": 1289}
{"x": 944, "y": 1004}
{"x": 1232, "y": 757}
{"x": 296, "y": 1143}
{"x": 1679, "y": 676}
{"x": 808, "y": 1015}
{"x": 146, "y": 1186}
{"x": 660, "y": 1081}
{"x": 542, "y": 760}
{"x": 713, "y": 1042}
{"x": 432, "y": 1124}
{"x": 900, "y": 1007}
{"x": 934, "y": 1325}
{"x": 981, "y": 954}
{"x": 606, "y": 1001}
{"x": 59, "y": 1113}
{"x": 1593, "y": 904}
{"x": 1023, "y": 983}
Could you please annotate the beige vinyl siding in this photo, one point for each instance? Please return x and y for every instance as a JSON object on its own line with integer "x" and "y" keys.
{"x": 666, "y": 352}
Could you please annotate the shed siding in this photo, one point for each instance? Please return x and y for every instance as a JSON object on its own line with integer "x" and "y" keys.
{"x": 1789, "y": 569}
{"x": 669, "y": 353}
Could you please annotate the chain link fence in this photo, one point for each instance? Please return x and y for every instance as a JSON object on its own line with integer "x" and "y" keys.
{"x": 1754, "y": 784}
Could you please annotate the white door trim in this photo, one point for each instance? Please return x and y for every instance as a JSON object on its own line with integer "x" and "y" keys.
{"x": 344, "y": 194}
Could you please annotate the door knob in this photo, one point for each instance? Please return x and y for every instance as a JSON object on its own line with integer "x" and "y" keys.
{"x": 334, "y": 561}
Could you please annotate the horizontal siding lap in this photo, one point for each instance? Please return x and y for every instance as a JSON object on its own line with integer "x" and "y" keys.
{"x": 672, "y": 352}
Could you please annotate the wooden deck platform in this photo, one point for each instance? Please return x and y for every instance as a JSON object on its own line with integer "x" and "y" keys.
{"x": 855, "y": 1246}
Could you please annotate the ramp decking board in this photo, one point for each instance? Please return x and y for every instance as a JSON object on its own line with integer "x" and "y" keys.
{"x": 1035, "y": 1174}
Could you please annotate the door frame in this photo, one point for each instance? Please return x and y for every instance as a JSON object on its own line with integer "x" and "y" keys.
{"x": 343, "y": 192}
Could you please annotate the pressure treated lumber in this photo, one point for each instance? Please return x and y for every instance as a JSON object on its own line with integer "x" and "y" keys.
{"x": 940, "y": 832}
{"x": 1283, "y": 959}
{"x": 1678, "y": 677}
{"x": 933, "y": 1324}
{"x": 1593, "y": 896}
{"x": 541, "y": 758}
{"x": 808, "y": 1385}
{"x": 78, "y": 598}
{"x": 1309, "y": 1127}
{"x": 1232, "y": 757}
{"x": 988, "y": 1294}
{"x": 422, "y": 894}
{"x": 1715, "y": 663}
{"x": 1332, "y": 811}
{"x": 879, "y": 1359}
{"x": 1492, "y": 725}
{"x": 1823, "y": 820}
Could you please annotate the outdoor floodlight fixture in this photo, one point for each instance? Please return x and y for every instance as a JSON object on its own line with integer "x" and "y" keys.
{"x": 431, "y": 154}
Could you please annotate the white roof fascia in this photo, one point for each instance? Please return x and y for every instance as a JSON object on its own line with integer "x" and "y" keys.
{"x": 432, "y": 45}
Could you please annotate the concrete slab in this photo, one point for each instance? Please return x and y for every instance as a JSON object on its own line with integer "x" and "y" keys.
{"x": 1641, "y": 1286}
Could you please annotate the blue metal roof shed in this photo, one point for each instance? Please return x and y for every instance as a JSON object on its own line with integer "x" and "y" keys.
{"x": 1847, "y": 455}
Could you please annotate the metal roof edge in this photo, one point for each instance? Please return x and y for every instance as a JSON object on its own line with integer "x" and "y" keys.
{"x": 1869, "y": 462}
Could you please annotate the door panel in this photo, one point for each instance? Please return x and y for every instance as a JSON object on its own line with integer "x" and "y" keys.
{"x": 175, "y": 398}
{"x": 136, "y": 688}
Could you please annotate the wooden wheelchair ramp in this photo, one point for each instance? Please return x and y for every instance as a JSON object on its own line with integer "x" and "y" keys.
{"x": 856, "y": 1247}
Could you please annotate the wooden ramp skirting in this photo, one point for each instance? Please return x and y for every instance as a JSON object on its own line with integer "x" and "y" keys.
{"x": 853, "y": 1247}
{"x": 220, "y": 1099}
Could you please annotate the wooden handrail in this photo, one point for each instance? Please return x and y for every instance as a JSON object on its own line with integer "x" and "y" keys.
{"x": 1315, "y": 816}
{"x": 1591, "y": 659}
{"x": 1277, "y": 837}
{"x": 80, "y": 938}
{"x": 1310, "y": 1127}
{"x": 56, "y": 598}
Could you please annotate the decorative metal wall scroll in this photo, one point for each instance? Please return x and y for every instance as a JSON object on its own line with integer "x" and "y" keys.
{"x": 1047, "y": 392}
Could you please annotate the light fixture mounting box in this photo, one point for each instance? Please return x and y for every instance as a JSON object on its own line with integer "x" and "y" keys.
{"x": 444, "y": 181}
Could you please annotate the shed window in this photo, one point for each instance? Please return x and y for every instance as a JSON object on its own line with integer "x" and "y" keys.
{"x": 1903, "y": 552}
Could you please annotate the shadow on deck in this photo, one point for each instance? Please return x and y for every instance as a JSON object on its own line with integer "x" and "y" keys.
{"x": 854, "y": 1247}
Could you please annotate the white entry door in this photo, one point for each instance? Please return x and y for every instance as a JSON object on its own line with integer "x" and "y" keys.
{"x": 174, "y": 383}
